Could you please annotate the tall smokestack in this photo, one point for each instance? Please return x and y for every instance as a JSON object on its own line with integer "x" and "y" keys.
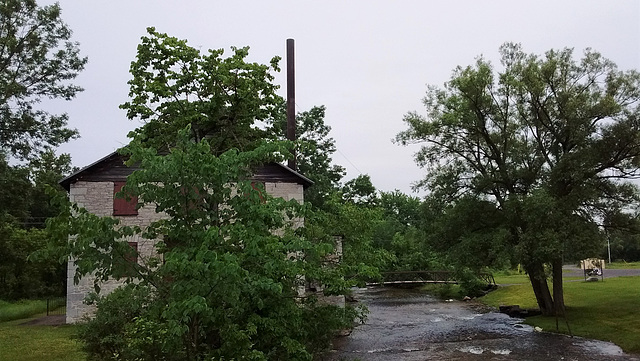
{"x": 291, "y": 100}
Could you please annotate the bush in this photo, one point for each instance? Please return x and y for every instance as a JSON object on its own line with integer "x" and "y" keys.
{"x": 129, "y": 325}
{"x": 104, "y": 335}
{"x": 470, "y": 284}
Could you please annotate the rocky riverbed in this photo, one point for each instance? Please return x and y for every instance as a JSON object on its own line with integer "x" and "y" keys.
{"x": 408, "y": 325}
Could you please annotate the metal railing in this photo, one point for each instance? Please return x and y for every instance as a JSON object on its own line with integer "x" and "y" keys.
{"x": 423, "y": 277}
{"x": 56, "y": 306}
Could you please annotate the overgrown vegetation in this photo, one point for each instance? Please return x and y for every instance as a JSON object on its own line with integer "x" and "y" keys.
{"x": 228, "y": 279}
{"x": 231, "y": 265}
{"x": 21, "y": 309}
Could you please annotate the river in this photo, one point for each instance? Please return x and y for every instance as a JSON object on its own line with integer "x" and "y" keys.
{"x": 408, "y": 325}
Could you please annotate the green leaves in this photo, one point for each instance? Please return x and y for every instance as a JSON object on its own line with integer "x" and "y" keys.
{"x": 225, "y": 278}
{"x": 548, "y": 141}
{"x": 221, "y": 99}
{"x": 37, "y": 59}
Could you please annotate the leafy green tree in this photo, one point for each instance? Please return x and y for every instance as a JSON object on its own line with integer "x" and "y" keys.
{"x": 15, "y": 191}
{"x": 224, "y": 100}
{"x": 623, "y": 232}
{"x": 470, "y": 226}
{"x": 45, "y": 172}
{"x": 548, "y": 140}
{"x": 37, "y": 60}
{"x": 24, "y": 206}
{"x": 230, "y": 265}
{"x": 22, "y": 275}
{"x": 313, "y": 154}
{"x": 401, "y": 234}
{"x": 360, "y": 190}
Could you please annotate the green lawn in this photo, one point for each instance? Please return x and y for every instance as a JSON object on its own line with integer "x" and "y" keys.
{"x": 623, "y": 265}
{"x": 21, "y": 309}
{"x": 600, "y": 310}
{"x": 505, "y": 278}
{"x": 36, "y": 343}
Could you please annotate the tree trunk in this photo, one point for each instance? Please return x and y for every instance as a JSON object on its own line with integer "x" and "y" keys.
{"x": 558, "y": 289}
{"x": 540, "y": 288}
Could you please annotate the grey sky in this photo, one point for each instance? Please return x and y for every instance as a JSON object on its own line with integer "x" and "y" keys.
{"x": 368, "y": 62}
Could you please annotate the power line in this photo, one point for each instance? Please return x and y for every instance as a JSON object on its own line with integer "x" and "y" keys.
{"x": 345, "y": 157}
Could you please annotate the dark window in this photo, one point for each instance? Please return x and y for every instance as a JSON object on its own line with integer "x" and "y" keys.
{"x": 132, "y": 258}
{"x": 193, "y": 200}
{"x": 126, "y": 266}
{"x": 123, "y": 205}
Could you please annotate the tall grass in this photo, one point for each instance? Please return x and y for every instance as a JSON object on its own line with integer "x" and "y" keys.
{"x": 22, "y": 309}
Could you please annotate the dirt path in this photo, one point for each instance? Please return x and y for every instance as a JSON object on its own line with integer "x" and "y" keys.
{"x": 54, "y": 320}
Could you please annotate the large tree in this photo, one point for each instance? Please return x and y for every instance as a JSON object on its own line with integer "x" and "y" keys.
{"x": 226, "y": 100}
{"x": 549, "y": 140}
{"x": 226, "y": 279}
{"x": 314, "y": 154}
{"x": 37, "y": 61}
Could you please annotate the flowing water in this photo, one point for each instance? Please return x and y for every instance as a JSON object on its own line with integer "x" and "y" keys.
{"x": 407, "y": 325}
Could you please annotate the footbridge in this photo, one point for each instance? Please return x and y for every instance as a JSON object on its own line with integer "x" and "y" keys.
{"x": 425, "y": 277}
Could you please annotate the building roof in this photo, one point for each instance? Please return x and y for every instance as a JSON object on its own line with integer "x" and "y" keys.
{"x": 112, "y": 168}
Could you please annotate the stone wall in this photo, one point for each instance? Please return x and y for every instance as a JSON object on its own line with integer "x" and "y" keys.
{"x": 97, "y": 198}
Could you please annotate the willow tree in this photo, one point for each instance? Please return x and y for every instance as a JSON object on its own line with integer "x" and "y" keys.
{"x": 551, "y": 141}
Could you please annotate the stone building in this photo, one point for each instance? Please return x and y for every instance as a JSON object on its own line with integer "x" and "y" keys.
{"x": 94, "y": 187}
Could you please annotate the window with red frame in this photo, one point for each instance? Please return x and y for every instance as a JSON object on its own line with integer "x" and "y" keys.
{"x": 123, "y": 206}
{"x": 258, "y": 187}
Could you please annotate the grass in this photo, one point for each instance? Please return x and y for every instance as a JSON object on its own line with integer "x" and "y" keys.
{"x": 510, "y": 278}
{"x": 21, "y": 309}
{"x": 35, "y": 343}
{"x": 623, "y": 265}
{"x": 599, "y": 310}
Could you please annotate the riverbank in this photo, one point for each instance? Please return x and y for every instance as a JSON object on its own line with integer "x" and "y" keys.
{"x": 605, "y": 310}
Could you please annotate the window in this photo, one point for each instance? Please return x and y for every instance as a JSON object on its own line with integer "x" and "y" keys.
{"x": 132, "y": 258}
{"x": 193, "y": 200}
{"x": 123, "y": 206}
{"x": 258, "y": 187}
{"x": 127, "y": 265}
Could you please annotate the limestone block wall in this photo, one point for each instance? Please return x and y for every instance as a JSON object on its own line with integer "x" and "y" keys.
{"x": 97, "y": 198}
{"x": 287, "y": 191}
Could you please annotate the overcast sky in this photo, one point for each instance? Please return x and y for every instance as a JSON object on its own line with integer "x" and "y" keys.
{"x": 368, "y": 61}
